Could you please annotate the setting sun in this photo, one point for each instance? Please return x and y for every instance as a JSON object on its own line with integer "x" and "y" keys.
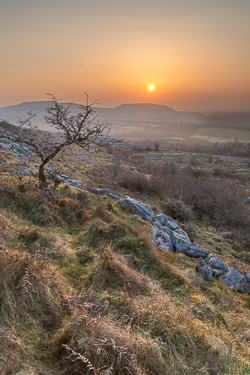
{"x": 151, "y": 87}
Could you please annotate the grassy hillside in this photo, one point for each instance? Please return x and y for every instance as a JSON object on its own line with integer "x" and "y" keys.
{"x": 84, "y": 291}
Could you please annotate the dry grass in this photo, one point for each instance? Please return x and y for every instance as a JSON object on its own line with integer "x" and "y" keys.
{"x": 91, "y": 294}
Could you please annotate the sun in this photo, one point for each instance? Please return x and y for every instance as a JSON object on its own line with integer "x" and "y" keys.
{"x": 151, "y": 87}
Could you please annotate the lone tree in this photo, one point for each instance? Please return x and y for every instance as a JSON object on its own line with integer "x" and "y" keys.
{"x": 80, "y": 129}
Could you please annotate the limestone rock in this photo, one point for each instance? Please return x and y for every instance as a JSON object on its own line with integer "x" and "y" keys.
{"x": 217, "y": 273}
{"x": 156, "y": 223}
{"x": 112, "y": 196}
{"x": 244, "y": 284}
{"x": 98, "y": 191}
{"x": 200, "y": 264}
{"x": 217, "y": 263}
{"x": 196, "y": 252}
{"x": 204, "y": 269}
{"x": 180, "y": 240}
{"x": 232, "y": 277}
{"x": 161, "y": 240}
{"x": 209, "y": 256}
{"x": 207, "y": 273}
{"x": 167, "y": 221}
{"x": 138, "y": 208}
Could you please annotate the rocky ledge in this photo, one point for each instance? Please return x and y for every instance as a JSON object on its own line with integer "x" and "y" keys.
{"x": 168, "y": 236}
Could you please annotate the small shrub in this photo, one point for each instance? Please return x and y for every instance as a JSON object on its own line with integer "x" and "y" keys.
{"x": 178, "y": 210}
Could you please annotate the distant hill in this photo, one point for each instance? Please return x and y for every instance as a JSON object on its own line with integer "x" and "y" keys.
{"x": 126, "y": 112}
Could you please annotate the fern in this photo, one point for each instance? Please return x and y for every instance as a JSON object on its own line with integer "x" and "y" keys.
{"x": 80, "y": 357}
{"x": 24, "y": 286}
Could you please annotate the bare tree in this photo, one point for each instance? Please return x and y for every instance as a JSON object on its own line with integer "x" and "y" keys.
{"x": 80, "y": 129}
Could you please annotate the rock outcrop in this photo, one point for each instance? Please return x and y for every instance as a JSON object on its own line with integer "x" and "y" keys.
{"x": 217, "y": 263}
{"x": 98, "y": 191}
{"x": 244, "y": 284}
{"x": 204, "y": 269}
{"x": 196, "y": 252}
{"x": 168, "y": 236}
{"x": 232, "y": 277}
{"x": 162, "y": 240}
{"x": 113, "y": 196}
{"x": 138, "y": 208}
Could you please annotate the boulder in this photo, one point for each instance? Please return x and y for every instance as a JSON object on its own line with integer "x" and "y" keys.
{"x": 196, "y": 252}
{"x": 98, "y": 191}
{"x": 244, "y": 284}
{"x": 138, "y": 208}
{"x": 232, "y": 277}
{"x": 217, "y": 273}
{"x": 112, "y": 196}
{"x": 161, "y": 239}
{"x": 217, "y": 263}
{"x": 209, "y": 256}
{"x": 247, "y": 200}
{"x": 200, "y": 264}
{"x": 74, "y": 183}
{"x": 167, "y": 221}
{"x": 206, "y": 273}
{"x": 204, "y": 269}
{"x": 156, "y": 223}
{"x": 180, "y": 241}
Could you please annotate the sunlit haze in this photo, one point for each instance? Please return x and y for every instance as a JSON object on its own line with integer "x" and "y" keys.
{"x": 196, "y": 54}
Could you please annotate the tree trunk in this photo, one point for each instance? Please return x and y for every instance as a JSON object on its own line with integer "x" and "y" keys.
{"x": 41, "y": 176}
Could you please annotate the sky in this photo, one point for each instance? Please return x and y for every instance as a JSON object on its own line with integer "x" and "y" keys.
{"x": 196, "y": 53}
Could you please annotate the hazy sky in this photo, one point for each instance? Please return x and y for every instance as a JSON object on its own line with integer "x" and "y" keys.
{"x": 195, "y": 52}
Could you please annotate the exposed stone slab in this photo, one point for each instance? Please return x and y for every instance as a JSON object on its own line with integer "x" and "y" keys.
{"x": 167, "y": 221}
{"x": 232, "y": 277}
{"x": 156, "y": 223}
{"x": 161, "y": 239}
{"x": 217, "y": 273}
{"x": 113, "y": 196}
{"x": 98, "y": 191}
{"x": 196, "y": 252}
{"x": 217, "y": 263}
{"x": 180, "y": 241}
{"x": 138, "y": 208}
{"x": 200, "y": 264}
{"x": 204, "y": 269}
{"x": 244, "y": 284}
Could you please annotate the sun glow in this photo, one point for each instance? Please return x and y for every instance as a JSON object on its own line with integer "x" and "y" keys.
{"x": 151, "y": 87}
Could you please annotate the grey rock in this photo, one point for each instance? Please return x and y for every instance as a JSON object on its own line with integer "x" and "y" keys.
{"x": 207, "y": 273}
{"x": 196, "y": 252}
{"x": 244, "y": 284}
{"x": 217, "y": 263}
{"x": 217, "y": 273}
{"x": 98, "y": 191}
{"x": 209, "y": 256}
{"x": 200, "y": 264}
{"x": 204, "y": 269}
{"x": 156, "y": 223}
{"x": 138, "y": 208}
{"x": 112, "y": 196}
{"x": 180, "y": 240}
{"x": 232, "y": 277}
{"x": 74, "y": 183}
{"x": 161, "y": 239}
{"x": 167, "y": 221}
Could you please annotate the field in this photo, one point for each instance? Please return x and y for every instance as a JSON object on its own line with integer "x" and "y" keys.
{"x": 222, "y": 135}
{"x": 85, "y": 291}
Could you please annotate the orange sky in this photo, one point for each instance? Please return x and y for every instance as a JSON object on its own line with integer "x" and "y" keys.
{"x": 195, "y": 52}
